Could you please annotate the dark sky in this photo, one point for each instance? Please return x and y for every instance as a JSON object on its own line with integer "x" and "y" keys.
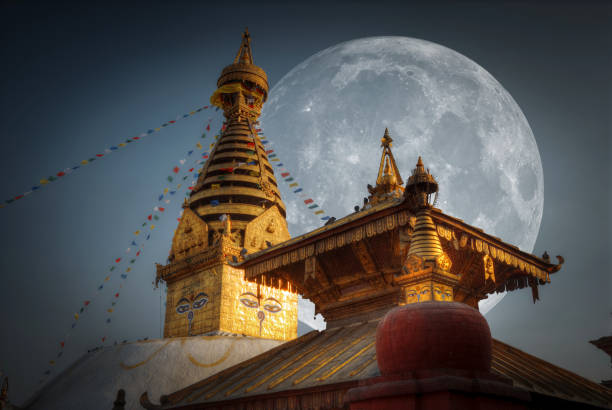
{"x": 79, "y": 78}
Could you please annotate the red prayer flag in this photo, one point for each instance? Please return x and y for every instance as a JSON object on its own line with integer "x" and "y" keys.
{"x": 99, "y": 155}
{"x": 118, "y": 260}
{"x": 205, "y": 107}
{"x": 190, "y": 188}
{"x": 190, "y": 169}
{"x": 257, "y": 129}
{"x": 269, "y": 151}
{"x": 208, "y": 127}
{"x": 19, "y": 197}
{"x": 223, "y": 127}
{"x": 86, "y": 303}
{"x": 285, "y": 174}
{"x": 176, "y": 170}
{"x": 178, "y": 219}
{"x": 251, "y": 144}
{"x": 117, "y": 294}
{"x": 103, "y": 339}
{"x": 308, "y": 201}
{"x": 135, "y": 138}
{"x": 205, "y": 156}
{"x": 161, "y": 209}
{"x": 172, "y": 122}
{"x": 61, "y": 174}
{"x": 138, "y": 253}
{"x": 150, "y": 217}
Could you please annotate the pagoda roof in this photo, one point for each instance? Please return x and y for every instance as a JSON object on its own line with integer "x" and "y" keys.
{"x": 361, "y": 253}
{"x": 320, "y": 367}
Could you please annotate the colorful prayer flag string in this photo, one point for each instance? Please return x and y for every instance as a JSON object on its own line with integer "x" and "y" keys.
{"x": 101, "y": 154}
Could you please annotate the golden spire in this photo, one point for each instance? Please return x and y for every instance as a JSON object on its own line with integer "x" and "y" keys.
{"x": 245, "y": 55}
{"x": 238, "y": 178}
{"x": 389, "y": 182}
{"x": 424, "y": 241}
{"x": 420, "y": 187}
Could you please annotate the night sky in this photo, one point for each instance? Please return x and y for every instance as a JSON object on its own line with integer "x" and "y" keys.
{"x": 80, "y": 78}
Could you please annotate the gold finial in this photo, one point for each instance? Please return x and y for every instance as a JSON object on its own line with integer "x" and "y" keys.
{"x": 420, "y": 187}
{"x": 245, "y": 55}
{"x": 386, "y": 139}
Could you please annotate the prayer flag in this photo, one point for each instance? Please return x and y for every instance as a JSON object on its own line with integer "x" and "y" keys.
{"x": 176, "y": 170}
{"x": 313, "y": 206}
{"x": 87, "y": 302}
{"x": 161, "y": 209}
{"x": 325, "y": 218}
{"x": 117, "y": 294}
{"x": 149, "y": 217}
{"x": 285, "y": 174}
{"x": 294, "y": 184}
{"x": 76, "y": 316}
{"x": 308, "y": 201}
{"x": 320, "y": 212}
{"x": 208, "y": 127}
{"x": 118, "y": 260}
{"x": 152, "y": 227}
{"x": 136, "y": 232}
{"x": 124, "y": 276}
{"x": 110, "y": 310}
{"x": 288, "y": 179}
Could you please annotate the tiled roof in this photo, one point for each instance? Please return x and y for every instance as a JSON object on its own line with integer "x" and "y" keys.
{"x": 348, "y": 354}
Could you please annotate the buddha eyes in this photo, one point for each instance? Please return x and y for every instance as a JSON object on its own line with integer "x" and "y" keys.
{"x": 182, "y": 306}
{"x": 200, "y": 301}
{"x": 272, "y": 305}
{"x": 249, "y": 300}
{"x": 412, "y": 293}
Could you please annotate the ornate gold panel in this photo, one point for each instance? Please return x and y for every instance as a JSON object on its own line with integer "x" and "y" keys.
{"x": 256, "y": 310}
{"x": 270, "y": 227}
{"x": 191, "y": 236}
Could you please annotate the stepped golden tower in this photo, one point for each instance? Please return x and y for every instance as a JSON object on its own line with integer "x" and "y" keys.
{"x": 234, "y": 209}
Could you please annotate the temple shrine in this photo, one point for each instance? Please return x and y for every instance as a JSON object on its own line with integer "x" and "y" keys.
{"x": 398, "y": 282}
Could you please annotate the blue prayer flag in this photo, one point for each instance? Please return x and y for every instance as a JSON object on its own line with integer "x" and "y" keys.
{"x": 297, "y": 190}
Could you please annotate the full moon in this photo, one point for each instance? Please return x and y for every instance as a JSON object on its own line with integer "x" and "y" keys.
{"x": 326, "y": 117}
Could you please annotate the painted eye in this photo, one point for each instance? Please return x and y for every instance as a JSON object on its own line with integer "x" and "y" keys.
{"x": 272, "y": 305}
{"x": 249, "y": 300}
{"x": 412, "y": 293}
{"x": 182, "y": 306}
{"x": 424, "y": 291}
{"x": 200, "y": 301}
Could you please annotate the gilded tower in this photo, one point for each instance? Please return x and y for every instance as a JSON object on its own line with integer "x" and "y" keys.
{"x": 234, "y": 209}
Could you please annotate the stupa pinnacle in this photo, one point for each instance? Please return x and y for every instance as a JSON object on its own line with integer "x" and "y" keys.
{"x": 238, "y": 180}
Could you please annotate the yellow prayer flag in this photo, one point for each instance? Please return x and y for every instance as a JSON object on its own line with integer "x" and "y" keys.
{"x": 212, "y": 145}
{"x": 165, "y": 190}
{"x": 122, "y": 145}
{"x": 178, "y": 186}
{"x": 110, "y": 310}
{"x": 44, "y": 181}
{"x": 293, "y": 185}
{"x": 137, "y": 233}
{"x": 275, "y": 160}
{"x": 107, "y": 278}
{"x": 192, "y": 112}
{"x": 51, "y": 362}
{"x": 128, "y": 269}
{"x": 84, "y": 162}
{"x": 216, "y": 137}
{"x": 199, "y": 145}
{"x": 152, "y": 226}
{"x": 319, "y": 212}
{"x": 157, "y": 129}
{"x": 76, "y": 316}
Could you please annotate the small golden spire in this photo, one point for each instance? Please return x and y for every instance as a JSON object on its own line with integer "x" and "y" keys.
{"x": 419, "y": 188}
{"x": 386, "y": 140}
{"x": 245, "y": 55}
{"x": 388, "y": 182}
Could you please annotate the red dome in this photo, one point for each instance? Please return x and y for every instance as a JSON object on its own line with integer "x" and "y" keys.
{"x": 433, "y": 335}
